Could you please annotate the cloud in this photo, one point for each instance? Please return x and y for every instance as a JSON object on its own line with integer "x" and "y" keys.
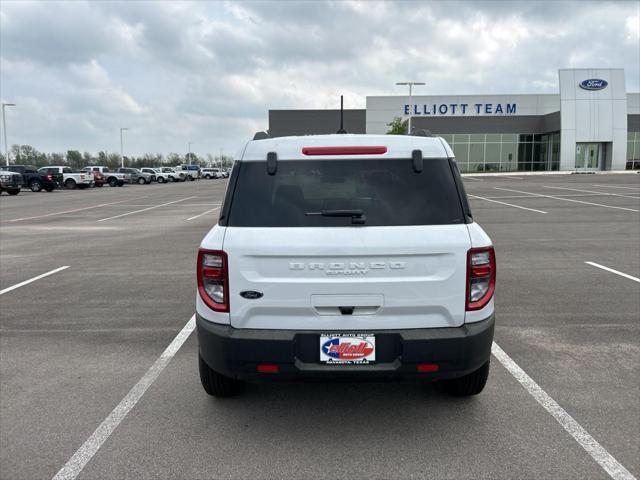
{"x": 208, "y": 72}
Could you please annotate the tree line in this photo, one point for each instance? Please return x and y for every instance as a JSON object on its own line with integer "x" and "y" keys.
{"x": 27, "y": 155}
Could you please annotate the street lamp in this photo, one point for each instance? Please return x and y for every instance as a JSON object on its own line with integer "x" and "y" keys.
{"x": 4, "y": 127}
{"x": 189, "y": 155}
{"x": 411, "y": 84}
{"x": 122, "y": 129}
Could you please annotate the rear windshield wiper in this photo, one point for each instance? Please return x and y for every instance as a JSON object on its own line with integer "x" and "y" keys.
{"x": 357, "y": 216}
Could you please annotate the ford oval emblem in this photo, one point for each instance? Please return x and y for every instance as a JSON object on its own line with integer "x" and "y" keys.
{"x": 593, "y": 84}
{"x": 251, "y": 294}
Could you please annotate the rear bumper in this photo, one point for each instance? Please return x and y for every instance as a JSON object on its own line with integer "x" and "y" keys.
{"x": 237, "y": 352}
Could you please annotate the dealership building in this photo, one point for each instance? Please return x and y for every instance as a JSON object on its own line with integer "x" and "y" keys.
{"x": 591, "y": 124}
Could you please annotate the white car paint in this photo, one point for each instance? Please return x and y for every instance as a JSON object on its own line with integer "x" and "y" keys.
{"x": 397, "y": 277}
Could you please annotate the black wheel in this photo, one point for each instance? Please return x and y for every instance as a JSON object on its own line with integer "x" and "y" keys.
{"x": 120, "y": 184}
{"x": 141, "y": 181}
{"x": 35, "y": 185}
{"x": 471, "y": 384}
{"x": 70, "y": 184}
{"x": 13, "y": 191}
{"x": 216, "y": 384}
{"x": 113, "y": 182}
{"x": 172, "y": 179}
{"x": 161, "y": 179}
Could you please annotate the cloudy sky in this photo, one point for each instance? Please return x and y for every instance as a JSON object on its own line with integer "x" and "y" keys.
{"x": 208, "y": 72}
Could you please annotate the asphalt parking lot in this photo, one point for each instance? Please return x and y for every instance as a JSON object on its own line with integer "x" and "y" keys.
{"x": 75, "y": 342}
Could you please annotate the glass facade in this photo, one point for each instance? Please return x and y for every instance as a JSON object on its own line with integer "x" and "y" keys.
{"x": 633, "y": 150}
{"x": 505, "y": 152}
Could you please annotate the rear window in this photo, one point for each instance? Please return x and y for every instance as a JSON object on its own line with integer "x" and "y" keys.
{"x": 309, "y": 193}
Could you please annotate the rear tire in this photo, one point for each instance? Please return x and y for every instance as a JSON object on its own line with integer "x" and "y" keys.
{"x": 216, "y": 384}
{"x": 113, "y": 182}
{"x": 471, "y": 384}
{"x": 70, "y": 184}
{"x": 13, "y": 191}
{"x": 35, "y": 186}
{"x": 141, "y": 181}
{"x": 160, "y": 179}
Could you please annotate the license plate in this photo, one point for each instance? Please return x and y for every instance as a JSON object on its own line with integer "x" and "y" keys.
{"x": 348, "y": 348}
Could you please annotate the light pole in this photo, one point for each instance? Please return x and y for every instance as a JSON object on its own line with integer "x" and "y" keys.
{"x": 189, "y": 154}
{"x": 122, "y": 129}
{"x": 4, "y": 127}
{"x": 411, "y": 84}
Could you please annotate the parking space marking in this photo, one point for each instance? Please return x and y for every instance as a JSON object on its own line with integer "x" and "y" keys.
{"x": 505, "y": 203}
{"x": 71, "y": 211}
{"x": 622, "y": 274}
{"x": 26, "y": 282}
{"x": 568, "y": 199}
{"x": 635, "y": 197}
{"x": 203, "y": 213}
{"x": 637, "y": 189}
{"x": 580, "y": 435}
{"x": 91, "y": 446}
{"x": 145, "y": 209}
{"x": 472, "y": 178}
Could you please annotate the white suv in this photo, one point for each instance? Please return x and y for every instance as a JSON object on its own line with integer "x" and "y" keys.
{"x": 345, "y": 256}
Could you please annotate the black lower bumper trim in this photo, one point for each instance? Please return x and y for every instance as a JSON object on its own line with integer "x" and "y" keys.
{"x": 237, "y": 352}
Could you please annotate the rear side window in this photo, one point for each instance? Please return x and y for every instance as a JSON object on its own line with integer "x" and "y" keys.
{"x": 308, "y": 193}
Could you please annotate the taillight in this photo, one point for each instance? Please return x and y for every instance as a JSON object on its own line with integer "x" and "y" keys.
{"x": 213, "y": 279}
{"x": 50, "y": 177}
{"x": 481, "y": 277}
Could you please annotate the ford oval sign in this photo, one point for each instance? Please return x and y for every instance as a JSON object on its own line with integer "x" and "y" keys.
{"x": 593, "y": 84}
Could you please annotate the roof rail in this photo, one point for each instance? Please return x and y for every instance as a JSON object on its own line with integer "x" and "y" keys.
{"x": 261, "y": 135}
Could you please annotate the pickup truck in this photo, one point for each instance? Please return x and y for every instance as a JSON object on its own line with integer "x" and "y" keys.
{"x": 10, "y": 182}
{"x": 114, "y": 179}
{"x": 191, "y": 172}
{"x": 173, "y": 174}
{"x": 137, "y": 176}
{"x": 34, "y": 180}
{"x": 70, "y": 179}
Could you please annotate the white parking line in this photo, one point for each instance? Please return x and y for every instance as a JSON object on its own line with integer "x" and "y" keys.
{"x": 635, "y": 197}
{"x": 91, "y": 446}
{"x": 145, "y": 209}
{"x": 71, "y": 211}
{"x": 637, "y": 189}
{"x": 567, "y": 199}
{"x": 472, "y": 178}
{"x": 26, "y": 282}
{"x": 517, "y": 178}
{"x": 505, "y": 203}
{"x": 580, "y": 435}
{"x": 625, "y": 275}
{"x": 203, "y": 213}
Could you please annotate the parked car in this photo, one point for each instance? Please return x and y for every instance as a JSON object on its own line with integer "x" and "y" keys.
{"x": 34, "y": 180}
{"x": 114, "y": 179}
{"x": 209, "y": 173}
{"x": 10, "y": 182}
{"x": 192, "y": 172}
{"x": 137, "y": 176}
{"x": 369, "y": 266}
{"x": 174, "y": 175}
{"x": 70, "y": 179}
{"x": 151, "y": 172}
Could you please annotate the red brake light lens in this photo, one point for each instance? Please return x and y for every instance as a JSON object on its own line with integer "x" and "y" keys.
{"x": 481, "y": 277}
{"x": 344, "y": 150}
{"x": 213, "y": 279}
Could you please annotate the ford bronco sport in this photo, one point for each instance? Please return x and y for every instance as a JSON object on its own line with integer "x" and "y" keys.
{"x": 345, "y": 257}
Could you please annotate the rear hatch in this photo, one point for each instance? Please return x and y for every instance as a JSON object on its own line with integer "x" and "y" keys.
{"x": 346, "y": 244}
